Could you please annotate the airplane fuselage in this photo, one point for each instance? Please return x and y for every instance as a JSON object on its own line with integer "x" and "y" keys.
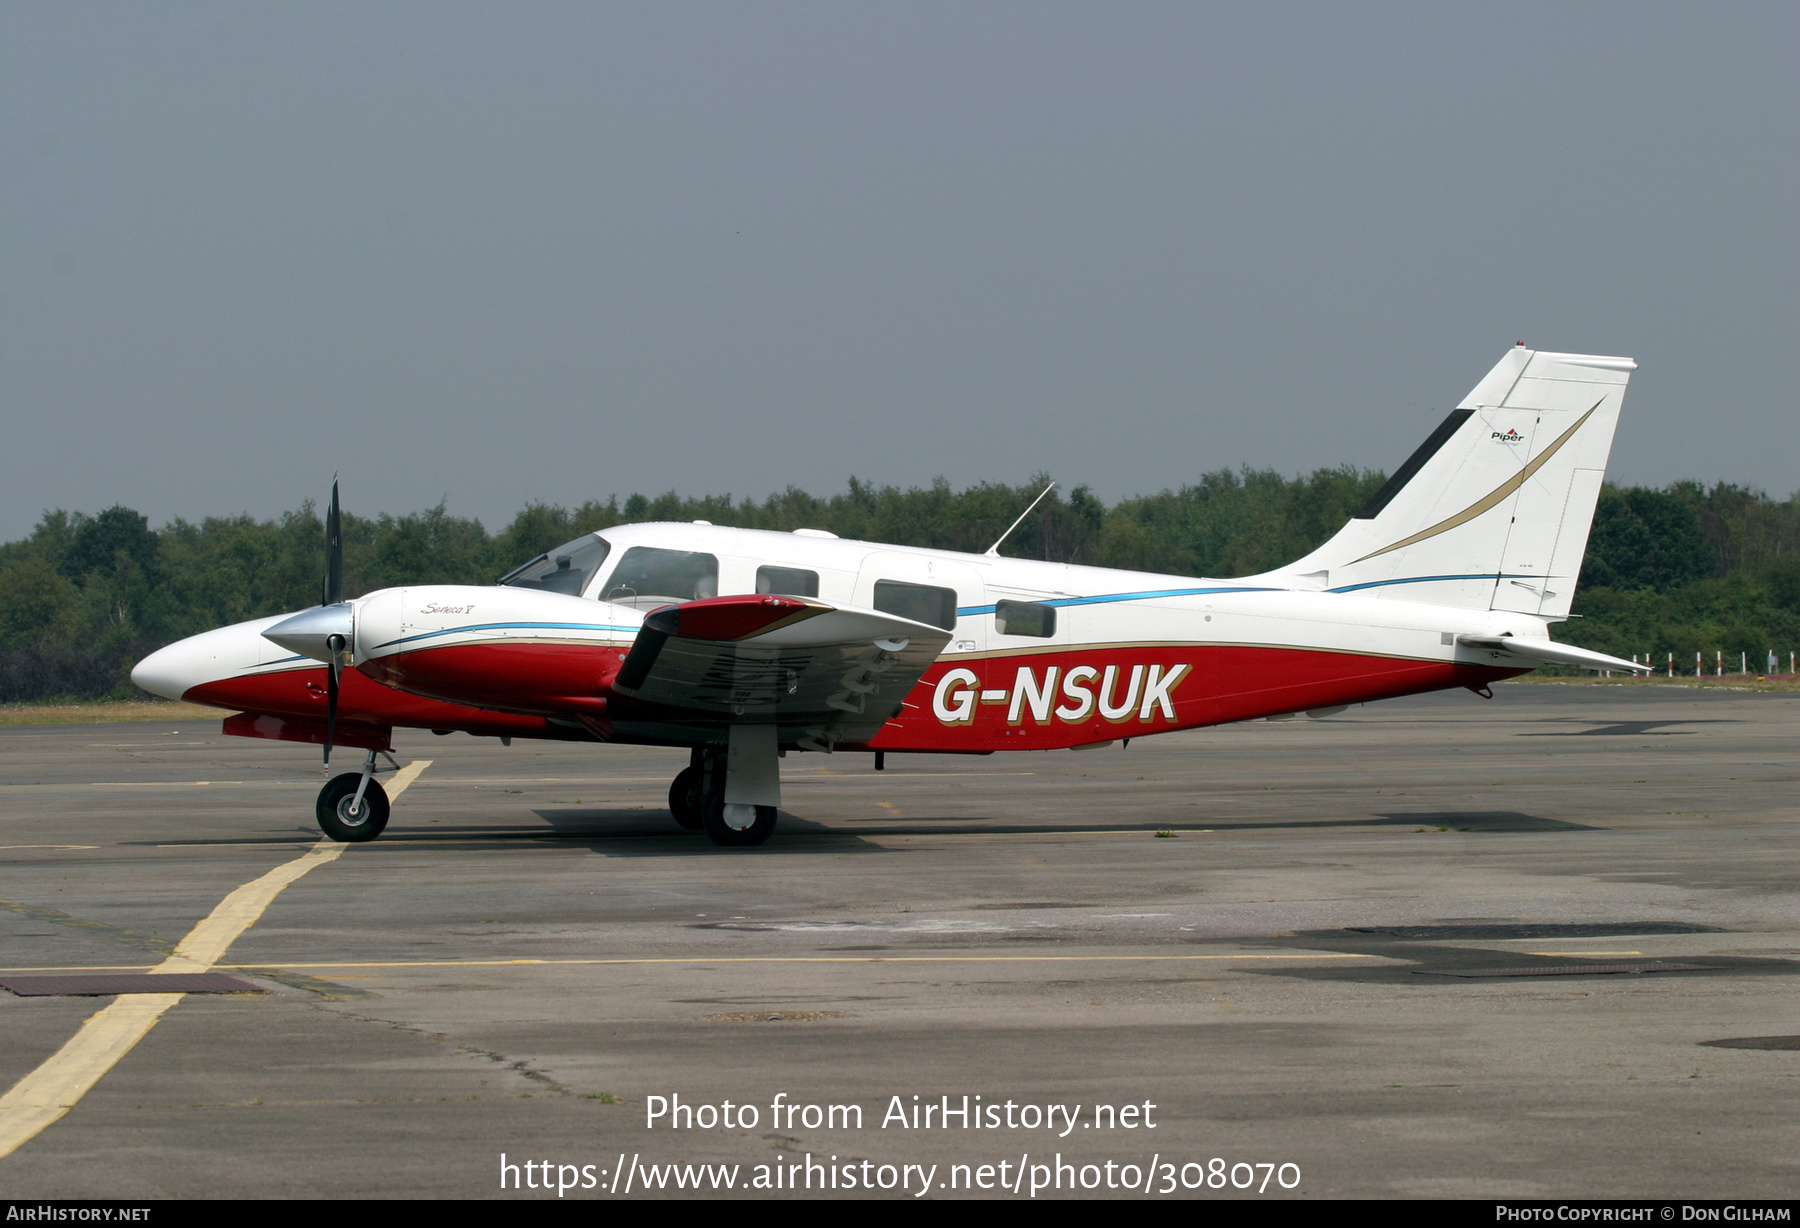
{"x": 743, "y": 645}
{"x": 1041, "y": 655}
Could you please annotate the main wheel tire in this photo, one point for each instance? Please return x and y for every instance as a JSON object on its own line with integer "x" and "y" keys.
{"x": 337, "y": 820}
{"x": 736, "y": 837}
{"x": 685, "y": 799}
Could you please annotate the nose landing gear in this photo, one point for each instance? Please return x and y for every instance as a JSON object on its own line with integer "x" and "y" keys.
{"x": 353, "y": 808}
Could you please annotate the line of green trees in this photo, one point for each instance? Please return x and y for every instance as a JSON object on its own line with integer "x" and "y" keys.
{"x": 1682, "y": 568}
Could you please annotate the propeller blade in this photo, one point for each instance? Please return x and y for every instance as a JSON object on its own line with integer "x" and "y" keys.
{"x": 336, "y": 644}
{"x": 333, "y": 594}
{"x": 334, "y": 550}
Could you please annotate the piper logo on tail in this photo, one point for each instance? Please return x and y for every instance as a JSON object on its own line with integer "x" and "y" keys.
{"x": 1114, "y": 693}
{"x": 1508, "y": 436}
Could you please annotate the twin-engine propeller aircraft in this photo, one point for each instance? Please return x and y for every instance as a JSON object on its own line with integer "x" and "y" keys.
{"x": 743, "y": 645}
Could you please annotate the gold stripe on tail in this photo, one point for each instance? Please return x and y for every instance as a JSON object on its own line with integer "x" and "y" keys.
{"x": 1499, "y": 493}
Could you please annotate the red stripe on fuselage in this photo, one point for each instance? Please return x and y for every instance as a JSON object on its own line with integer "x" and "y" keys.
{"x": 1219, "y": 685}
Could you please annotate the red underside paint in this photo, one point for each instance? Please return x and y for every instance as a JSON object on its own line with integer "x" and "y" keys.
{"x": 305, "y": 729}
{"x": 1214, "y": 686}
{"x": 301, "y": 693}
{"x": 1220, "y": 685}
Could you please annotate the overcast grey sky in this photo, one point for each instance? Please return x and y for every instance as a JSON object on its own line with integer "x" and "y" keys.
{"x": 518, "y": 252}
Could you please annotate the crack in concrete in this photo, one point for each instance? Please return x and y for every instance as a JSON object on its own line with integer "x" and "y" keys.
{"x": 519, "y": 1066}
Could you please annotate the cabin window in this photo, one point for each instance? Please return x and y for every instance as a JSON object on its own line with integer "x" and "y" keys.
{"x": 923, "y": 603}
{"x": 648, "y": 577}
{"x": 787, "y": 581}
{"x": 566, "y": 569}
{"x": 1025, "y": 618}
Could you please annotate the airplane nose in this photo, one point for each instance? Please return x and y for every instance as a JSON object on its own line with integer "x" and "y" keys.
{"x": 168, "y": 672}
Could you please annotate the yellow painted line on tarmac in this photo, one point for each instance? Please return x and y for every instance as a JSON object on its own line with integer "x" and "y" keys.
{"x": 729, "y": 959}
{"x": 1584, "y": 952}
{"x": 497, "y": 838}
{"x": 43, "y": 1096}
{"x": 926, "y": 831}
{"x": 809, "y": 959}
{"x": 154, "y": 784}
{"x": 897, "y": 774}
{"x": 243, "y": 843}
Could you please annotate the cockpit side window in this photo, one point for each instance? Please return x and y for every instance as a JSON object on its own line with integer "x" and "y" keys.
{"x": 566, "y": 569}
{"x": 648, "y": 577}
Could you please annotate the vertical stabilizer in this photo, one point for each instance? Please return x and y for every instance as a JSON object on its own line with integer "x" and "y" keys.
{"x": 1493, "y": 510}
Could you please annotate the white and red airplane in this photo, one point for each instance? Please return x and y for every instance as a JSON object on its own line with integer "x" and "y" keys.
{"x": 744, "y": 645}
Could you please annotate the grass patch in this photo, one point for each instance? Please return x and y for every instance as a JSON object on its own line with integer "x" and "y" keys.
{"x": 106, "y": 713}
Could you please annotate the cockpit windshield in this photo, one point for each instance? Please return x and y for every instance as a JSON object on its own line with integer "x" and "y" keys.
{"x": 648, "y": 578}
{"x": 566, "y": 569}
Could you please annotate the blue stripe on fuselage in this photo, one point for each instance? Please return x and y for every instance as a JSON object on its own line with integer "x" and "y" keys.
{"x": 970, "y": 611}
{"x": 1108, "y": 598}
{"x": 426, "y": 635}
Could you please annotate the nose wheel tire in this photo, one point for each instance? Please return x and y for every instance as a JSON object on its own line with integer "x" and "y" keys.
{"x": 724, "y": 829}
{"x": 685, "y": 799}
{"x": 339, "y": 821}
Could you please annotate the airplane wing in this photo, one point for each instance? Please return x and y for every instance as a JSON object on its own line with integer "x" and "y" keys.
{"x": 824, "y": 674}
{"x": 1548, "y": 652}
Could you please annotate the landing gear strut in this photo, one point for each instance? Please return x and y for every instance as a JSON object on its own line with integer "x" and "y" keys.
{"x": 353, "y": 808}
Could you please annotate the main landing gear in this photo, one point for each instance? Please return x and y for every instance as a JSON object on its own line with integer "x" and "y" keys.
{"x": 687, "y": 796}
{"x": 697, "y": 797}
{"x": 353, "y": 808}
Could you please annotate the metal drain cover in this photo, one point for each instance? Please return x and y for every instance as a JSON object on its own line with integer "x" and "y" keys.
{"x": 94, "y": 985}
{"x": 1564, "y": 970}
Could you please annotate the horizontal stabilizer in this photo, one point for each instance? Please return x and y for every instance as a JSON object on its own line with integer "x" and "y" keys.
{"x": 1547, "y": 652}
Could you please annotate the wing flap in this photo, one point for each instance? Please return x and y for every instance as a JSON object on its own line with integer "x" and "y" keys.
{"x": 824, "y": 674}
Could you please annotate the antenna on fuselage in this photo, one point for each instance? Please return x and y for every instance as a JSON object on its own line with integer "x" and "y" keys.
{"x": 993, "y": 551}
